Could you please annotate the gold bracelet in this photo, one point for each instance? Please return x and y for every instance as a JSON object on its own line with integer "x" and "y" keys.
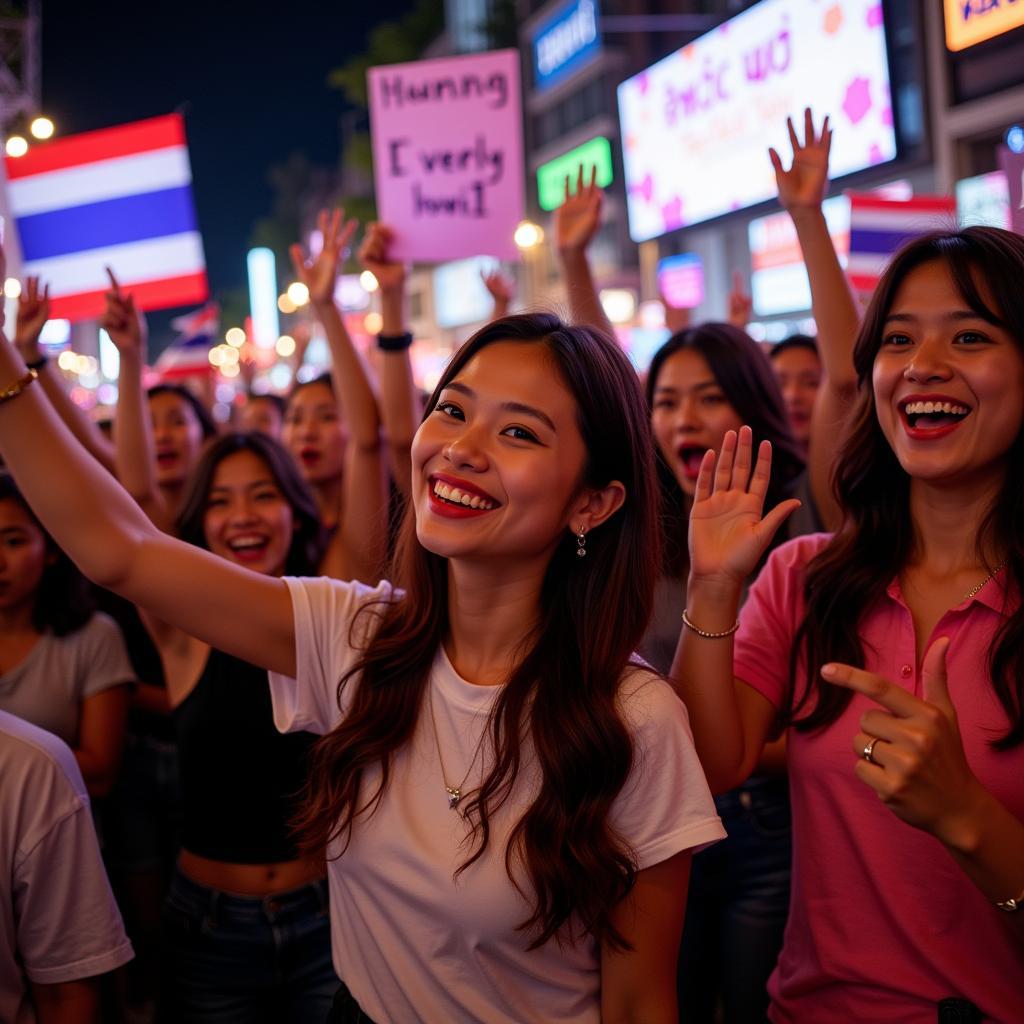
{"x": 704, "y": 633}
{"x": 18, "y": 386}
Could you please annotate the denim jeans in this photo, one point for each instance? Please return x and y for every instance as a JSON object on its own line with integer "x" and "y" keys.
{"x": 246, "y": 960}
{"x": 737, "y": 907}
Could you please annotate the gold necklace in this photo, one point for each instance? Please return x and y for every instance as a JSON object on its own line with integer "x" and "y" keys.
{"x": 995, "y": 572}
{"x": 454, "y": 792}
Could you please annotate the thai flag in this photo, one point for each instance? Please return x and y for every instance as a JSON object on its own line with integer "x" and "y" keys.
{"x": 119, "y": 197}
{"x": 878, "y": 227}
{"x": 190, "y": 353}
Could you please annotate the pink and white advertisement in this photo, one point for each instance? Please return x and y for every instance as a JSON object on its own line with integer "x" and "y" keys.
{"x": 448, "y": 155}
{"x": 697, "y": 125}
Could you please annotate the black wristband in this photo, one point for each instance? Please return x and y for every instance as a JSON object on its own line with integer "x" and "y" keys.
{"x": 38, "y": 364}
{"x": 394, "y": 342}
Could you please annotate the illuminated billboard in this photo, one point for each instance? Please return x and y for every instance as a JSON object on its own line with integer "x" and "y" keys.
{"x": 969, "y": 22}
{"x": 697, "y": 125}
{"x": 597, "y": 153}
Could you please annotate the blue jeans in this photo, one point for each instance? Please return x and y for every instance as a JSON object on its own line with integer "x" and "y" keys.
{"x": 246, "y": 960}
{"x": 737, "y": 907}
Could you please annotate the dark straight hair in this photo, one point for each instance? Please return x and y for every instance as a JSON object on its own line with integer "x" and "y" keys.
{"x": 64, "y": 601}
{"x": 563, "y": 692}
{"x": 742, "y": 370}
{"x": 308, "y": 539}
{"x": 209, "y": 428}
{"x": 876, "y": 537}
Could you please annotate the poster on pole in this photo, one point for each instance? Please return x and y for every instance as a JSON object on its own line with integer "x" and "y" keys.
{"x": 1012, "y": 165}
{"x": 448, "y": 155}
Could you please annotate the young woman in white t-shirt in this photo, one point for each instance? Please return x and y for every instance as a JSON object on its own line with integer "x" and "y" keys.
{"x": 492, "y": 787}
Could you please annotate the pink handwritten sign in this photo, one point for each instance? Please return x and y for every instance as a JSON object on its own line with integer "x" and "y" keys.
{"x": 448, "y": 155}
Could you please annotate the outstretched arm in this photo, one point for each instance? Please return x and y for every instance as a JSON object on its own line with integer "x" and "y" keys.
{"x": 801, "y": 191}
{"x": 33, "y": 312}
{"x": 94, "y": 519}
{"x": 728, "y": 534}
{"x": 398, "y": 402}
{"x": 358, "y": 547}
{"x": 133, "y": 431}
{"x": 576, "y": 223}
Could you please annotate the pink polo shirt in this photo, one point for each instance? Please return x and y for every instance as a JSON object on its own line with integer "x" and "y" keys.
{"x": 882, "y": 922}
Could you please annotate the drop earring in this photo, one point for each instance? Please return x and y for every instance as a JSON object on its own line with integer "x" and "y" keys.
{"x": 581, "y": 544}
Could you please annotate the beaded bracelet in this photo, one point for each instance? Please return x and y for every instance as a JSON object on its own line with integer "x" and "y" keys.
{"x": 704, "y": 633}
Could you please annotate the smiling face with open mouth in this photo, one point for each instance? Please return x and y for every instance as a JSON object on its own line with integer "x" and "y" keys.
{"x": 177, "y": 437}
{"x": 248, "y": 520}
{"x": 499, "y": 459}
{"x": 314, "y": 433}
{"x": 948, "y": 383}
{"x": 690, "y": 414}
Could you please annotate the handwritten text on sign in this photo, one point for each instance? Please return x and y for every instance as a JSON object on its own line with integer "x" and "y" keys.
{"x": 447, "y": 151}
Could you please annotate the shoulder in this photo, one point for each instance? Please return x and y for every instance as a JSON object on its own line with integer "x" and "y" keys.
{"x": 33, "y": 760}
{"x": 98, "y": 631}
{"x": 333, "y": 606}
{"x": 647, "y": 701}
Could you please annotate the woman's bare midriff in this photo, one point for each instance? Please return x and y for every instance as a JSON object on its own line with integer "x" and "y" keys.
{"x": 249, "y": 879}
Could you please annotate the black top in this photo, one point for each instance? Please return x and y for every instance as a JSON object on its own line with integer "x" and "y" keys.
{"x": 240, "y": 777}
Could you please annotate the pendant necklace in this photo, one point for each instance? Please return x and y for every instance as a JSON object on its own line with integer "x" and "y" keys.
{"x": 995, "y": 572}
{"x": 454, "y": 792}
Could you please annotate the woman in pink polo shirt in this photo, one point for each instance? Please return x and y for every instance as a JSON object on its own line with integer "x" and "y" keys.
{"x": 892, "y": 653}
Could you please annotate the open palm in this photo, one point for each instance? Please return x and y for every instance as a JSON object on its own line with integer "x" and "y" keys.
{"x": 579, "y": 217}
{"x": 805, "y": 183}
{"x": 729, "y": 531}
{"x": 320, "y": 274}
{"x": 33, "y": 312}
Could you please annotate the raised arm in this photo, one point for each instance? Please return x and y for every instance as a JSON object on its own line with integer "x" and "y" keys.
{"x": 741, "y": 305}
{"x": 399, "y": 405}
{"x": 33, "y": 312}
{"x": 361, "y": 535}
{"x": 133, "y": 431}
{"x": 728, "y": 535}
{"x": 94, "y": 519}
{"x": 576, "y": 222}
{"x": 802, "y": 190}
{"x": 501, "y": 289}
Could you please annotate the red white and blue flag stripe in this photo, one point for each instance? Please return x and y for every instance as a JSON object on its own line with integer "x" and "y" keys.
{"x": 878, "y": 227}
{"x": 189, "y": 354}
{"x": 119, "y": 197}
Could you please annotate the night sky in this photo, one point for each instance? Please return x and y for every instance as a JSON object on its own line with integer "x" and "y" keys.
{"x": 251, "y": 80}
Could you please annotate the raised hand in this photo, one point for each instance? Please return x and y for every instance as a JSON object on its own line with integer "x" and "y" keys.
{"x": 320, "y": 274}
{"x": 579, "y": 217}
{"x": 729, "y": 531}
{"x": 804, "y": 185}
{"x": 33, "y": 312}
{"x": 500, "y": 286}
{"x": 741, "y": 305}
{"x": 374, "y": 256}
{"x": 918, "y": 767}
{"x": 122, "y": 321}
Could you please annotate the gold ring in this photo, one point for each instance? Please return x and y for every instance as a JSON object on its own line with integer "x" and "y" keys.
{"x": 869, "y": 750}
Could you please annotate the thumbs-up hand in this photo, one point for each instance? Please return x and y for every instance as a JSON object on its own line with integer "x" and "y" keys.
{"x": 910, "y": 751}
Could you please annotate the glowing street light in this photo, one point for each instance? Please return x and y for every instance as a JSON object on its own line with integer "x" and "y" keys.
{"x": 298, "y": 293}
{"x": 42, "y": 128}
{"x": 528, "y": 235}
{"x": 16, "y": 146}
{"x": 12, "y": 288}
{"x": 285, "y": 304}
{"x": 373, "y": 323}
{"x": 368, "y": 281}
{"x": 285, "y": 346}
{"x": 235, "y": 337}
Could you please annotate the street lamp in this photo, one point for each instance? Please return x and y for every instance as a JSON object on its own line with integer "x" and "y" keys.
{"x": 17, "y": 145}
{"x": 528, "y": 235}
{"x": 298, "y": 293}
{"x": 42, "y": 128}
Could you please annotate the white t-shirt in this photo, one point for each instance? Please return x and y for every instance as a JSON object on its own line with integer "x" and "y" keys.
{"x": 58, "y": 918}
{"x": 48, "y": 687}
{"x": 411, "y": 943}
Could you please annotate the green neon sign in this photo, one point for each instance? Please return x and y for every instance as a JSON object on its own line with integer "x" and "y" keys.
{"x": 551, "y": 176}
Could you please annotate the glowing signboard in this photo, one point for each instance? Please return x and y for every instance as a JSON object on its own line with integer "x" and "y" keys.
{"x": 969, "y": 22}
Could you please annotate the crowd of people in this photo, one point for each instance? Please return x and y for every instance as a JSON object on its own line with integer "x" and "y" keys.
{"x": 567, "y": 694}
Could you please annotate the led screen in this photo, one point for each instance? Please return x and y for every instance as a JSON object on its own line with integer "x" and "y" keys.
{"x": 697, "y": 125}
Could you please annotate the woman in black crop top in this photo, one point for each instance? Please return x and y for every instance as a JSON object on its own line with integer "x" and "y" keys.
{"x": 246, "y": 929}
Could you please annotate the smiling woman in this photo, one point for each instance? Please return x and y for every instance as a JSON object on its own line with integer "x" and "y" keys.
{"x": 491, "y": 780}
{"x": 899, "y": 641}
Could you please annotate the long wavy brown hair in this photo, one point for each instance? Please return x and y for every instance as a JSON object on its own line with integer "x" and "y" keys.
{"x": 875, "y": 539}
{"x": 559, "y": 705}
